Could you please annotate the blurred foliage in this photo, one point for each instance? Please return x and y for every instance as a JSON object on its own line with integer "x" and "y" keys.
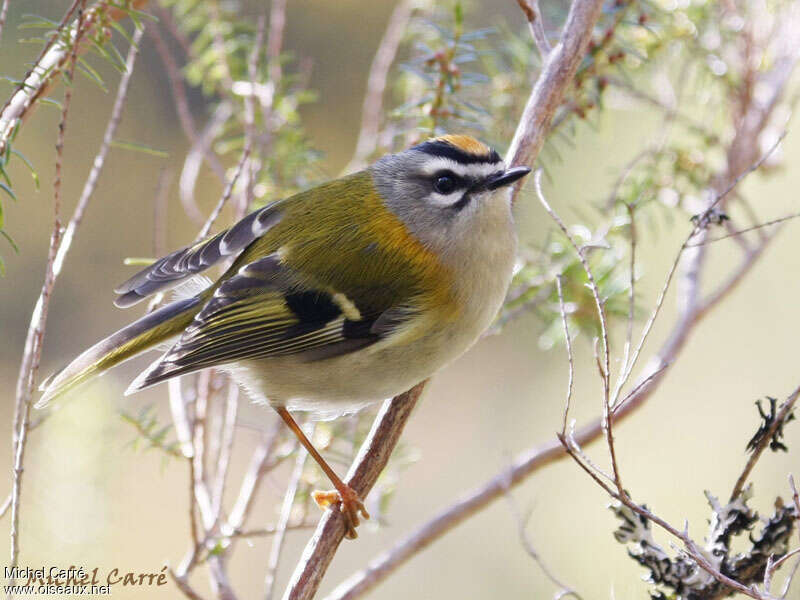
{"x": 150, "y": 433}
{"x": 219, "y": 41}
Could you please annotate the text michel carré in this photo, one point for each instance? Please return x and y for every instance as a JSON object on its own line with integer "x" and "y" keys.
{"x": 78, "y": 576}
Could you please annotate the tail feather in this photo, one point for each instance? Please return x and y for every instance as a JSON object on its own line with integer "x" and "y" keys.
{"x": 126, "y": 343}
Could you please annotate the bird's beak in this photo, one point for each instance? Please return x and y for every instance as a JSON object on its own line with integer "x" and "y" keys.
{"x": 507, "y": 177}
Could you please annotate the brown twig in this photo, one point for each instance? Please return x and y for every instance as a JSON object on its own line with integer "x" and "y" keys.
{"x": 522, "y": 523}
{"x": 178, "y": 91}
{"x": 531, "y": 10}
{"x": 570, "y": 358}
{"x": 739, "y": 232}
{"x": 780, "y": 419}
{"x": 100, "y": 158}
{"x": 183, "y": 586}
{"x": 3, "y": 14}
{"x": 605, "y": 367}
{"x": 36, "y": 330}
{"x": 277, "y": 24}
{"x": 369, "y": 463}
{"x": 692, "y": 550}
{"x": 283, "y": 520}
{"x": 226, "y": 194}
{"x": 548, "y": 92}
{"x": 376, "y": 85}
{"x": 249, "y": 117}
{"x": 50, "y": 63}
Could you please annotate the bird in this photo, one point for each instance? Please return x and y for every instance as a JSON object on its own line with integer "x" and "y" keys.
{"x": 339, "y": 296}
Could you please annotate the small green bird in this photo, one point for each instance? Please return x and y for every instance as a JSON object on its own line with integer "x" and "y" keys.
{"x": 345, "y": 294}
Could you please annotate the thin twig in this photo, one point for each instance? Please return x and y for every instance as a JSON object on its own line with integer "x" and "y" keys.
{"x": 183, "y": 586}
{"x": 3, "y": 14}
{"x": 778, "y": 421}
{"x": 249, "y": 117}
{"x": 739, "y": 232}
{"x": 283, "y": 520}
{"x": 605, "y": 367}
{"x": 691, "y": 547}
{"x": 226, "y": 194}
{"x": 534, "y": 16}
{"x": 5, "y": 506}
{"x": 100, "y": 159}
{"x": 178, "y": 91}
{"x": 570, "y": 358}
{"x": 277, "y": 24}
{"x": 522, "y": 523}
{"x": 199, "y": 152}
{"x": 631, "y": 304}
{"x": 50, "y": 63}
{"x": 36, "y": 330}
{"x": 376, "y": 85}
{"x": 226, "y": 447}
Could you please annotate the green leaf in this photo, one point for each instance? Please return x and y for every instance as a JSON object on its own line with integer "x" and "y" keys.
{"x": 122, "y": 31}
{"x": 139, "y": 148}
{"x": 51, "y": 102}
{"x": 85, "y": 68}
{"x": 8, "y": 190}
{"x": 10, "y": 241}
{"x": 28, "y": 164}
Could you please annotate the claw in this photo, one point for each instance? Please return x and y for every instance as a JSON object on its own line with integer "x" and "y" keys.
{"x": 349, "y": 505}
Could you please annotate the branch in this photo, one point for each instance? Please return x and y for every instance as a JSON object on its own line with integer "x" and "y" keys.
{"x": 376, "y": 85}
{"x": 778, "y": 421}
{"x": 34, "y": 339}
{"x": 534, "y": 16}
{"x": 556, "y": 76}
{"x": 50, "y": 64}
{"x": 3, "y": 14}
{"x": 369, "y": 463}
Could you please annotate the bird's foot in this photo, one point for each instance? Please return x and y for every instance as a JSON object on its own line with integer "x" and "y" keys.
{"x": 349, "y": 505}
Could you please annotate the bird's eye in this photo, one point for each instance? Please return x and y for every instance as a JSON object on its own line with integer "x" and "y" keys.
{"x": 445, "y": 183}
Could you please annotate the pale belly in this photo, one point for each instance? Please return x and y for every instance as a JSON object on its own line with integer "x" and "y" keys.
{"x": 344, "y": 384}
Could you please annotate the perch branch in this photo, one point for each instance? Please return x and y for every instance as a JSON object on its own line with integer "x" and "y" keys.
{"x": 369, "y": 463}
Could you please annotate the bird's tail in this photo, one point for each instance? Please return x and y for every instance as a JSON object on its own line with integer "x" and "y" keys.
{"x": 141, "y": 335}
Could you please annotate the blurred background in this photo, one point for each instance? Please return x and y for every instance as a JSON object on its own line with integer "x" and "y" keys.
{"x": 91, "y": 499}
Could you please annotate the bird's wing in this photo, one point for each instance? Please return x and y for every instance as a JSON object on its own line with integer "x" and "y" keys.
{"x": 265, "y": 310}
{"x": 187, "y": 262}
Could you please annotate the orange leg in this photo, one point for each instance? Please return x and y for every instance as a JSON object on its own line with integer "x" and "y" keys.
{"x": 347, "y": 498}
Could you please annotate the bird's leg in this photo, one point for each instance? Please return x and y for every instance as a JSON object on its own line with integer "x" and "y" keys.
{"x": 349, "y": 502}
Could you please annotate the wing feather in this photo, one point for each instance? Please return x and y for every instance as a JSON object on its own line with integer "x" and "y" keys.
{"x": 267, "y": 310}
{"x": 187, "y": 262}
